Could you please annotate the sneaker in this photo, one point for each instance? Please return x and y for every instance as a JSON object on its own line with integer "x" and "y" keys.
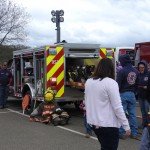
{"x": 2, "y": 107}
{"x": 123, "y": 137}
{"x": 133, "y": 137}
{"x": 87, "y": 136}
{"x": 5, "y": 106}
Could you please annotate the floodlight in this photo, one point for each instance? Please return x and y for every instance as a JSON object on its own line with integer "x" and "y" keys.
{"x": 57, "y": 18}
{"x": 61, "y": 19}
{"x": 61, "y": 13}
{"x": 53, "y": 19}
{"x": 53, "y": 12}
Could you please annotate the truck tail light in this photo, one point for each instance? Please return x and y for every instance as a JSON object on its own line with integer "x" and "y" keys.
{"x": 53, "y": 83}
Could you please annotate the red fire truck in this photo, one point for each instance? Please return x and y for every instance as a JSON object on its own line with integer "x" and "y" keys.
{"x": 125, "y": 50}
{"x": 62, "y": 67}
{"x": 142, "y": 52}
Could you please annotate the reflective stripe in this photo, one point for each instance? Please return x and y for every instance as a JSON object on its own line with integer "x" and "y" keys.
{"x": 103, "y": 52}
{"x": 48, "y": 106}
{"x": 55, "y": 68}
{"x": 47, "y": 112}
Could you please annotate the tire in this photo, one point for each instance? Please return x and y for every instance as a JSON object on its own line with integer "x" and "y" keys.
{"x": 30, "y": 106}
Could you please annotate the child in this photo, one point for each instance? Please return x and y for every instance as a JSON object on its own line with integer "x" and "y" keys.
{"x": 47, "y": 112}
{"x": 87, "y": 126}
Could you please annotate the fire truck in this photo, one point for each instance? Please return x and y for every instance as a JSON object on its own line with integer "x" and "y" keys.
{"x": 142, "y": 52}
{"x": 62, "y": 67}
{"x": 125, "y": 50}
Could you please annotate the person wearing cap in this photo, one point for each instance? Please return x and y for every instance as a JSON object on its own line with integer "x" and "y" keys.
{"x": 142, "y": 82}
{"x": 126, "y": 79}
{"x": 5, "y": 81}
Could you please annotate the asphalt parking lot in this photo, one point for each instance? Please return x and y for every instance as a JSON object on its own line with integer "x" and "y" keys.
{"x": 18, "y": 133}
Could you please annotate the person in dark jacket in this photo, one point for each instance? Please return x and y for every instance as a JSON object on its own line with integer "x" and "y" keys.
{"x": 148, "y": 88}
{"x": 118, "y": 67}
{"x": 142, "y": 82}
{"x": 126, "y": 79}
{"x": 145, "y": 140}
{"x": 5, "y": 81}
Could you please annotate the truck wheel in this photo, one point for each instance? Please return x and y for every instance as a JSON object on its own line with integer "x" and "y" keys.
{"x": 29, "y": 107}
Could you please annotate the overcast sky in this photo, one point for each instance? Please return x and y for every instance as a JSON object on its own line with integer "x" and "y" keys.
{"x": 106, "y": 22}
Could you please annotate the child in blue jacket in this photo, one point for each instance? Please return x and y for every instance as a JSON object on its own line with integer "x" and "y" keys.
{"x": 87, "y": 126}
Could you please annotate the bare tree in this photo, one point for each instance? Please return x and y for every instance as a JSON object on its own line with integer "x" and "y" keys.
{"x": 13, "y": 20}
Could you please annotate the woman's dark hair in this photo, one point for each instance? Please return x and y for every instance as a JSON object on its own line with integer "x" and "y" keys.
{"x": 105, "y": 68}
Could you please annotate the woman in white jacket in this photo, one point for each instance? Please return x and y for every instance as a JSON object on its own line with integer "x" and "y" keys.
{"x": 103, "y": 106}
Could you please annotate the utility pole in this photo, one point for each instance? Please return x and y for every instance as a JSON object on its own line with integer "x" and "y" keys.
{"x": 57, "y": 18}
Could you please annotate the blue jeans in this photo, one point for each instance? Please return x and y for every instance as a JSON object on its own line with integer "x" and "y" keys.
{"x": 144, "y": 106}
{"x": 3, "y": 95}
{"x": 87, "y": 127}
{"x": 129, "y": 105}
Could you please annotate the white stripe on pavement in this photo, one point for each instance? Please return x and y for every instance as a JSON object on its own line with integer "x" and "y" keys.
{"x": 4, "y": 112}
{"x": 75, "y": 132}
{"x": 18, "y": 112}
{"x": 64, "y": 128}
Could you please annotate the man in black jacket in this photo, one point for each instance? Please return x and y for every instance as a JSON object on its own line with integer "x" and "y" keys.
{"x": 5, "y": 80}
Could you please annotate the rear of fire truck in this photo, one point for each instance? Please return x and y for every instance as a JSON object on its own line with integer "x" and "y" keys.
{"x": 142, "y": 52}
{"x": 64, "y": 68}
{"x": 125, "y": 50}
